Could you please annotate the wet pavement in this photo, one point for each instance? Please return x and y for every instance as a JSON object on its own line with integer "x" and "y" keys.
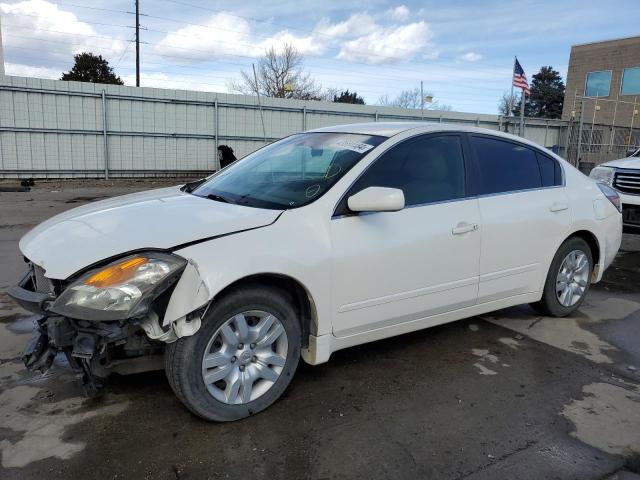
{"x": 506, "y": 395}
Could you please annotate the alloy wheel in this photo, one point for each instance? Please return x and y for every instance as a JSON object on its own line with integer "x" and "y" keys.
{"x": 572, "y": 278}
{"x": 245, "y": 357}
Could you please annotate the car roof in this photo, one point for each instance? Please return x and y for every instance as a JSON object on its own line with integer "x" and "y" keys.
{"x": 385, "y": 129}
{"x": 389, "y": 129}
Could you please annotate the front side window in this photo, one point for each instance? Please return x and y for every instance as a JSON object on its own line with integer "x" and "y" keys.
{"x": 429, "y": 169}
{"x": 291, "y": 172}
{"x": 598, "y": 84}
{"x": 505, "y": 166}
{"x": 630, "y": 81}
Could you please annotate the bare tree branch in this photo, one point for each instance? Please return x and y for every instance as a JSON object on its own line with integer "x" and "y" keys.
{"x": 411, "y": 99}
{"x": 280, "y": 75}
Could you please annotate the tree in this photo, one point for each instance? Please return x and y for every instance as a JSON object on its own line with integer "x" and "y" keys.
{"x": 91, "y": 68}
{"x": 507, "y": 104}
{"x": 547, "y": 95}
{"x": 348, "y": 97}
{"x": 280, "y": 75}
{"x": 411, "y": 99}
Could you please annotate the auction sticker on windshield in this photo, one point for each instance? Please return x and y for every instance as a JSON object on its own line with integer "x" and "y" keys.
{"x": 354, "y": 146}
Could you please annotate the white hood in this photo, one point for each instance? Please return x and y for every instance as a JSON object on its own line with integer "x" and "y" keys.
{"x": 629, "y": 162}
{"x": 162, "y": 218}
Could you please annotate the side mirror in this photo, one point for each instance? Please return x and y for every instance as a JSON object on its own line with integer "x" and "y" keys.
{"x": 377, "y": 199}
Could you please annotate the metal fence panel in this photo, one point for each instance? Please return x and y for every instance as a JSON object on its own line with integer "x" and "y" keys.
{"x": 50, "y": 128}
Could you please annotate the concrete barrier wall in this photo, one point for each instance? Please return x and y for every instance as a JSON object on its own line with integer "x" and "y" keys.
{"x": 54, "y": 129}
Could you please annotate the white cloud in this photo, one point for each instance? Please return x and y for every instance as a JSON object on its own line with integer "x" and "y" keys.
{"x": 20, "y": 70}
{"x": 32, "y": 24}
{"x": 178, "y": 82}
{"x": 471, "y": 57}
{"x": 223, "y": 34}
{"x": 388, "y": 45}
{"x": 356, "y": 25}
{"x": 308, "y": 45}
{"x": 358, "y": 37}
{"x": 400, "y": 13}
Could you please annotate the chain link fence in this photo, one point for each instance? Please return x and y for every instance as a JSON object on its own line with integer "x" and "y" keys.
{"x": 601, "y": 130}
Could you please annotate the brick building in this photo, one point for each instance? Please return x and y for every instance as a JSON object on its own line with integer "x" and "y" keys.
{"x": 607, "y": 72}
{"x": 602, "y": 100}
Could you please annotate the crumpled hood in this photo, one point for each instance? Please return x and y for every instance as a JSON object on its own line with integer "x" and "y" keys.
{"x": 629, "y": 162}
{"x": 162, "y": 218}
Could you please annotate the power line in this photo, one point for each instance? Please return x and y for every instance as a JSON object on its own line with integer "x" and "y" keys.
{"x": 311, "y": 63}
{"x": 364, "y": 76}
{"x": 420, "y": 73}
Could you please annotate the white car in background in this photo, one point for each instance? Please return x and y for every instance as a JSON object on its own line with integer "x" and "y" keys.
{"x": 624, "y": 176}
{"x": 320, "y": 241}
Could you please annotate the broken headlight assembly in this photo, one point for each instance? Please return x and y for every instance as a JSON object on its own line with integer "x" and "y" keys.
{"x": 120, "y": 290}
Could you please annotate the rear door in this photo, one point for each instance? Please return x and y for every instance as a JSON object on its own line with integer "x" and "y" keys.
{"x": 525, "y": 212}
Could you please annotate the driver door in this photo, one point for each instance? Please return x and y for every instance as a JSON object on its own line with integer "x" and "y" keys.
{"x": 395, "y": 267}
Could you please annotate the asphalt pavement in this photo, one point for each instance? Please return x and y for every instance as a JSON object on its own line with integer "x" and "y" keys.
{"x": 506, "y": 395}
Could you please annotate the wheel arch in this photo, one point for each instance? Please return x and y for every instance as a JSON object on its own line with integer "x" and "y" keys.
{"x": 591, "y": 240}
{"x": 596, "y": 250}
{"x": 302, "y": 299}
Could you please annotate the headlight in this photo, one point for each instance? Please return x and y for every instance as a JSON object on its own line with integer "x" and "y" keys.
{"x": 603, "y": 175}
{"x": 122, "y": 289}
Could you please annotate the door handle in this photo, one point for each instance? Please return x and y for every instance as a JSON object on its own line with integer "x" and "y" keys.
{"x": 558, "y": 207}
{"x": 464, "y": 227}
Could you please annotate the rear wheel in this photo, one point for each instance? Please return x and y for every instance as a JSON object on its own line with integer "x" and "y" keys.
{"x": 568, "y": 279}
{"x": 242, "y": 358}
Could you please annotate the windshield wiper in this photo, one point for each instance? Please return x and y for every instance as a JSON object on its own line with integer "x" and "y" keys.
{"x": 191, "y": 186}
{"x": 218, "y": 198}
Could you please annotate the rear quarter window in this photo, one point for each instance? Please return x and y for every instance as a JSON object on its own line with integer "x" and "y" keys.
{"x": 550, "y": 171}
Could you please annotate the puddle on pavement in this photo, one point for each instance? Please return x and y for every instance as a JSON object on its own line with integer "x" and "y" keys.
{"x": 569, "y": 333}
{"x": 607, "y": 417}
{"x": 34, "y": 425}
{"x": 40, "y": 424}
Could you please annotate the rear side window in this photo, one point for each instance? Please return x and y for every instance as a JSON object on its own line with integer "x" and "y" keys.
{"x": 427, "y": 170}
{"x": 550, "y": 171}
{"x": 504, "y": 166}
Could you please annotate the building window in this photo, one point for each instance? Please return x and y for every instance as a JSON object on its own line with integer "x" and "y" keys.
{"x": 630, "y": 81}
{"x": 598, "y": 84}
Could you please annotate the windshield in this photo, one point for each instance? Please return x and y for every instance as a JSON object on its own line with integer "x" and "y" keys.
{"x": 289, "y": 173}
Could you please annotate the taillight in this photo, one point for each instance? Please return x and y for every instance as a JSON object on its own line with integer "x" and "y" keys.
{"x": 612, "y": 195}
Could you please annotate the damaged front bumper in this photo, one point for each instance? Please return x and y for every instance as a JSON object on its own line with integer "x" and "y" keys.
{"x": 93, "y": 349}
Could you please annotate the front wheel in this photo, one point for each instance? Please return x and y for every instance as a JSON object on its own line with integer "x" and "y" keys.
{"x": 242, "y": 358}
{"x": 568, "y": 279}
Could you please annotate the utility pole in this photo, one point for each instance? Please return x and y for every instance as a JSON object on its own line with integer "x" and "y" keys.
{"x": 1, "y": 51}
{"x": 137, "y": 43}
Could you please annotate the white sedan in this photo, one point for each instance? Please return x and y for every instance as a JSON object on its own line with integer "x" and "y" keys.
{"x": 317, "y": 242}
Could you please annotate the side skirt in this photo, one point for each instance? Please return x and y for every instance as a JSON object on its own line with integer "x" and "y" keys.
{"x": 321, "y": 347}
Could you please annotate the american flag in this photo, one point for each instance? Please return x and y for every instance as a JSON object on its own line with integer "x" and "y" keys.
{"x": 520, "y": 78}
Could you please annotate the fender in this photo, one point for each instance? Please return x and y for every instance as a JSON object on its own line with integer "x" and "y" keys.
{"x": 302, "y": 255}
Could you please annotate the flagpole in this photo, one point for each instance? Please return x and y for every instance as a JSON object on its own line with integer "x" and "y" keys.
{"x": 510, "y": 112}
{"x": 522, "y": 114}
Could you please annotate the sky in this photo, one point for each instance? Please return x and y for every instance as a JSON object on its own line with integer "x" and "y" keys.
{"x": 462, "y": 50}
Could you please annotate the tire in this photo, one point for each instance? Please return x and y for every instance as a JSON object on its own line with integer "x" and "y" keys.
{"x": 227, "y": 399}
{"x": 550, "y": 304}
